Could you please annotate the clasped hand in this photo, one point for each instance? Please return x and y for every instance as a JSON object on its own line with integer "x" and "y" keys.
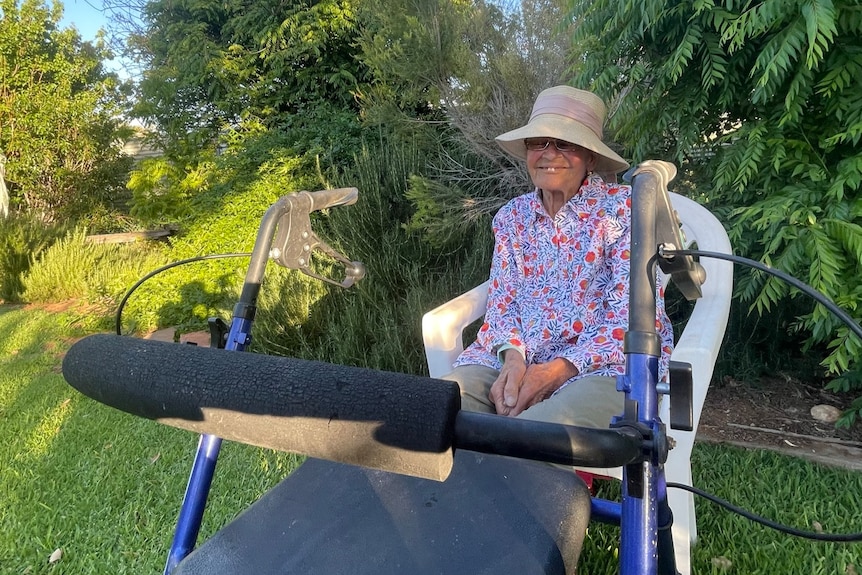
{"x": 519, "y": 386}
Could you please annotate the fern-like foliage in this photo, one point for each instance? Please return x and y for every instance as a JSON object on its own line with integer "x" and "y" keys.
{"x": 771, "y": 90}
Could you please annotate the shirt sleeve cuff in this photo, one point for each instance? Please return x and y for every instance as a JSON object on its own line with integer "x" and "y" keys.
{"x": 501, "y": 351}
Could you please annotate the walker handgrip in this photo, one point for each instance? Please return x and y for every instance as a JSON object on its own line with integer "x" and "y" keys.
{"x": 323, "y": 199}
{"x": 548, "y": 442}
{"x": 383, "y": 420}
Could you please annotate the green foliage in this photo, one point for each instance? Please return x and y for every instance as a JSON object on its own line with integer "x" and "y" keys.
{"x": 226, "y": 196}
{"x": 489, "y": 60}
{"x": 412, "y": 50}
{"x": 108, "y": 220}
{"x": 456, "y": 197}
{"x": 477, "y": 65}
{"x": 215, "y": 65}
{"x": 301, "y": 316}
{"x": 74, "y": 269}
{"x": 771, "y": 91}
{"x": 295, "y": 139}
{"x": 161, "y": 190}
{"x": 59, "y": 112}
{"x": 22, "y": 239}
{"x": 376, "y": 323}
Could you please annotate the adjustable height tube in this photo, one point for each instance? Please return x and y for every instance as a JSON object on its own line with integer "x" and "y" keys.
{"x": 638, "y": 548}
{"x": 641, "y": 337}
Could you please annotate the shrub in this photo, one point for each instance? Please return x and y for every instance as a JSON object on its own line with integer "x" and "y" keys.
{"x": 225, "y": 201}
{"x": 75, "y": 269}
{"x": 376, "y": 323}
{"x": 22, "y": 239}
{"x": 160, "y": 191}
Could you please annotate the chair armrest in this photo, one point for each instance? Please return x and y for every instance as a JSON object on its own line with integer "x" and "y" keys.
{"x": 701, "y": 339}
{"x": 443, "y": 326}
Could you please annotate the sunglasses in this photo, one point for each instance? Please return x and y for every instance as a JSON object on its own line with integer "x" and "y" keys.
{"x": 539, "y": 144}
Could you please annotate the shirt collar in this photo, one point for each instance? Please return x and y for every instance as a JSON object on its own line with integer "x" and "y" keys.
{"x": 593, "y": 187}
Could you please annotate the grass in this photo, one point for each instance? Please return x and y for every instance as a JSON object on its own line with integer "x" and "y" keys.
{"x": 102, "y": 486}
{"x": 105, "y": 487}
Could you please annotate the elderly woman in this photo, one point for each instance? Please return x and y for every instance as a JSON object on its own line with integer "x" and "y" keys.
{"x": 551, "y": 345}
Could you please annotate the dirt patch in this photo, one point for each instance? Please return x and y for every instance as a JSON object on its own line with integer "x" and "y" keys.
{"x": 775, "y": 414}
{"x": 55, "y": 307}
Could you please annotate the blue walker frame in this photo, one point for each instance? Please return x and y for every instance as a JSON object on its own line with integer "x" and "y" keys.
{"x": 643, "y": 514}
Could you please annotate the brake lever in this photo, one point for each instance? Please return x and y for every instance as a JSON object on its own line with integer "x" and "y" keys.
{"x": 687, "y": 273}
{"x": 353, "y": 271}
{"x": 295, "y": 242}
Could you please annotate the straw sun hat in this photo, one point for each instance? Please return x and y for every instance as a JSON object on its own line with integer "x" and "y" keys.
{"x": 568, "y": 114}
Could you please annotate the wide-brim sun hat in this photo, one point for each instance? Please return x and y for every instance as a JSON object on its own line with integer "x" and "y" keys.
{"x": 568, "y": 114}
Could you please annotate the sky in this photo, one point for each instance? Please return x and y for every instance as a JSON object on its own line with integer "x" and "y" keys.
{"x": 85, "y": 15}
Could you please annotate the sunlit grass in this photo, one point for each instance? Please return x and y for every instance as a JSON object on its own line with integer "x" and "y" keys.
{"x": 42, "y": 437}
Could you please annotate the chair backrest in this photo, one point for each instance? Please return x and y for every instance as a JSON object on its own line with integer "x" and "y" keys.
{"x": 701, "y": 339}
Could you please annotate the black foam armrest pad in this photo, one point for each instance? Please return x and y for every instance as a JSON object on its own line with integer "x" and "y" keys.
{"x": 373, "y": 418}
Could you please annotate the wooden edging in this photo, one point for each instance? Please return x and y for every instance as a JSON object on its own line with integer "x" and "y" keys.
{"x": 798, "y": 435}
{"x": 128, "y": 237}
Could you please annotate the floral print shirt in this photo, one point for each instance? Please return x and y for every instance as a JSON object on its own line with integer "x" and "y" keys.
{"x": 560, "y": 286}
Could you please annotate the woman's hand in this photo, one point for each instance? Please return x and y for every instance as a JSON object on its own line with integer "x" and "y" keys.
{"x": 505, "y": 389}
{"x": 541, "y": 381}
{"x": 520, "y": 387}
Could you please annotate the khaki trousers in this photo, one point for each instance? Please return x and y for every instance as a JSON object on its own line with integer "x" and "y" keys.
{"x": 587, "y": 402}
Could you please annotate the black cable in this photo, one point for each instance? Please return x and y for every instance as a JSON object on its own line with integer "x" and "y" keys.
{"x": 119, "y": 314}
{"x": 843, "y": 316}
{"x": 842, "y": 538}
{"x": 801, "y": 286}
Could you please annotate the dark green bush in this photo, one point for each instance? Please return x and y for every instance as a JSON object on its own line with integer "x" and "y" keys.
{"x": 376, "y": 323}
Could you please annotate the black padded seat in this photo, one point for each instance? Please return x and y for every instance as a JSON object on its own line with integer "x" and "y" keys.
{"x": 493, "y": 515}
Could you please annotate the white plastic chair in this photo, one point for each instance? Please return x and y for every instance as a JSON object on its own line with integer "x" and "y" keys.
{"x": 698, "y": 345}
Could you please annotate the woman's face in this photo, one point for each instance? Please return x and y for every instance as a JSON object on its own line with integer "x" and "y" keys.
{"x": 558, "y": 167}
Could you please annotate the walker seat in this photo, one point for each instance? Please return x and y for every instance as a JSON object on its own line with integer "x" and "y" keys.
{"x": 493, "y": 515}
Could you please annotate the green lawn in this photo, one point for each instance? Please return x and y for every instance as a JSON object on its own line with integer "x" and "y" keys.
{"x": 105, "y": 487}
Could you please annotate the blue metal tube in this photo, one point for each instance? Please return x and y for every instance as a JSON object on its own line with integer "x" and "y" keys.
{"x": 203, "y": 470}
{"x": 638, "y": 543}
{"x": 605, "y": 511}
{"x": 194, "y": 501}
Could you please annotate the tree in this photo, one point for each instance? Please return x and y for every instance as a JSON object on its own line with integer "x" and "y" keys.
{"x": 59, "y": 115}
{"x": 772, "y": 89}
{"x": 478, "y": 64}
{"x": 210, "y": 65}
